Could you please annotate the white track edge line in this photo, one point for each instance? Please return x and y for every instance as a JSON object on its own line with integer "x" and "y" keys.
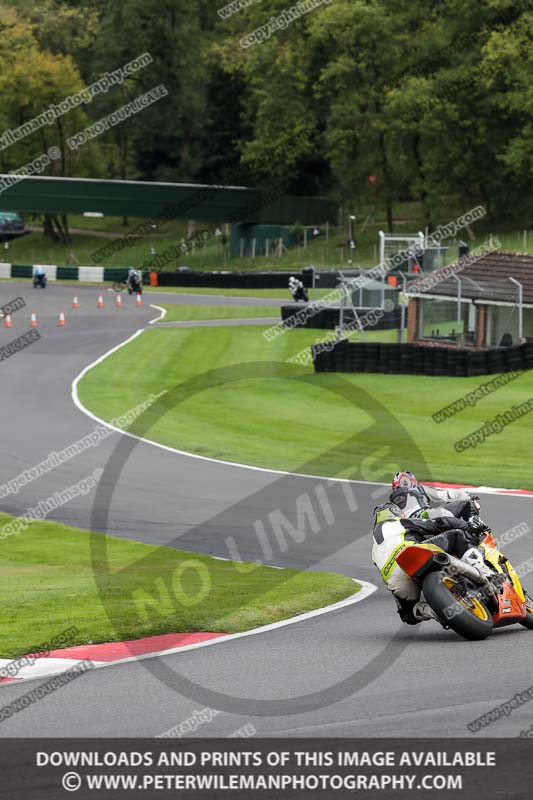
{"x": 365, "y": 591}
{"x": 233, "y": 322}
{"x": 161, "y": 316}
{"x": 79, "y": 405}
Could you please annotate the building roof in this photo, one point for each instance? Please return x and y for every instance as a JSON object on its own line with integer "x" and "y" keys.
{"x": 146, "y": 199}
{"x": 484, "y": 279}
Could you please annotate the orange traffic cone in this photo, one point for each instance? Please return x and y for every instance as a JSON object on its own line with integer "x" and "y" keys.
{"x": 75, "y": 303}
{"x": 8, "y": 323}
{"x": 138, "y": 300}
{"x": 100, "y": 302}
{"x": 118, "y": 302}
{"x": 61, "y": 321}
{"x": 33, "y": 320}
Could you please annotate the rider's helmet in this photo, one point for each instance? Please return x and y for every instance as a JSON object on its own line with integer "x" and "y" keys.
{"x": 408, "y": 494}
{"x": 404, "y": 480}
{"x": 387, "y": 512}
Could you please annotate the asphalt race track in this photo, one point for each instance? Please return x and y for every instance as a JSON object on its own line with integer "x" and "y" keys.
{"x": 353, "y": 672}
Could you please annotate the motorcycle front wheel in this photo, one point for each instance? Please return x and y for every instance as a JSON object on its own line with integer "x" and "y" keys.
{"x": 464, "y": 613}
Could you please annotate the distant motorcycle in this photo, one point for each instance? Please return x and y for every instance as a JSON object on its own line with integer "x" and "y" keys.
{"x": 298, "y": 290}
{"x": 301, "y": 294}
{"x": 134, "y": 282}
{"x": 469, "y": 603}
{"x": 39, "y": 281}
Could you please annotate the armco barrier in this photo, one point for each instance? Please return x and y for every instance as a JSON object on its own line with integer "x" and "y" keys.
{"x": 116, "y": 274}
{"x": 214, "y": 280}
{"x": 90, "y": 274}
{"x": 21, "y": 271}
{"x": 413, "y": 359}
{"x": 67, "y": 274}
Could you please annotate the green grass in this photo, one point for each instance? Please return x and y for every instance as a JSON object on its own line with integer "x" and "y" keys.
{"x": 54, "y": 577}
{"x": 370, "y": 335}
{"x": 184, "y": 313}
{"x": 292, "y": 419}
{"x": 325, "y": 253}
{"x": 115, "y": 225}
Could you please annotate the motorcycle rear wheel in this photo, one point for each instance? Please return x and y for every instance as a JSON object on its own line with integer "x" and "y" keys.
{"x": 467, "y": 616}
{"x": 528, "y": 621}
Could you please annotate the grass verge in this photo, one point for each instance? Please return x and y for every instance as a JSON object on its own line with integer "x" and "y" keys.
{"x": 324, "y": 252}
{"x": 286, "y": 423}
{"x": 138, "y": 589}
{"x": 187, "y": 313}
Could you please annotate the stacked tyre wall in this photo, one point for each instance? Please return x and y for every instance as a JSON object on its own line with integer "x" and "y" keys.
{"x": 329, "y": 317}
{"x": 244, "y": 280}
{"x": 412, "y": 359}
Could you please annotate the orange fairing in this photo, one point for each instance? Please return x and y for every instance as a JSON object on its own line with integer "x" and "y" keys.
{"x": 511, "y": 608}
{"x": 489, "y": 539}
{"x": 415, "y": 557}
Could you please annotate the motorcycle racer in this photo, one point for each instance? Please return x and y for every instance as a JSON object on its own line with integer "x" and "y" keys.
{"x": 428, "y": 502}
{"x": 393, "y": 531}
{"x": 134, "y": 281}
{"x": 297, "y": 289}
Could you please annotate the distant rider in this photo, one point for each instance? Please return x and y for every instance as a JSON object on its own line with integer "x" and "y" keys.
{"x": 393, "y": 531}
{"x": 418, "y": 500}
{"x": 297, "y": 289}
{"x": 39, "y": 277}
{"x": 134, "y": 281}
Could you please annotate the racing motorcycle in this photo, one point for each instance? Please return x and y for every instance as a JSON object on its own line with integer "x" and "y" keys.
{"x": 300, "y": 293}
{"x": 298, "y": 290}
{"x": 468, "y": 602}
{"x": 134, "y": 282}
{"x": 40, "y": 281}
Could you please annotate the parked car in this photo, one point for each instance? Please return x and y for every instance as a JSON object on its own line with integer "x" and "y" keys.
{"x": 10, "y": 222}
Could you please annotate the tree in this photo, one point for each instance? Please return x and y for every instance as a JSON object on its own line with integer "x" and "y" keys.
{"x": 507, "y": 72}
{"x": 62, "y": 27}
{"x": 25, "y": 93}
{"x": 166, "y": 138}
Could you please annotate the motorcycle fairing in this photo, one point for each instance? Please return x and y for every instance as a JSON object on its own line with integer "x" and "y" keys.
{"x": 416, "y": 559}
{"x": 495, "y": 558}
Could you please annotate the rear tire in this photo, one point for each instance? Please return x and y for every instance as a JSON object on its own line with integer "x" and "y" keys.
{"x": 528, "y": 621}
{"x": 473, "y": 623}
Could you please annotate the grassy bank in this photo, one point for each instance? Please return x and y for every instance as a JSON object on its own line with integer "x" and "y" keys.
{"x": 186, "y": 313}
{"x": 290, "y": 419}
{"x": 106, "y": 596}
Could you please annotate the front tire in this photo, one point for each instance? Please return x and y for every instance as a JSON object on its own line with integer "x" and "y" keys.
{"x": 468, "y": 617}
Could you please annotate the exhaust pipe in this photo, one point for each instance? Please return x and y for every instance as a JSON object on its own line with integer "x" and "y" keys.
{"x": 459, "y": 567}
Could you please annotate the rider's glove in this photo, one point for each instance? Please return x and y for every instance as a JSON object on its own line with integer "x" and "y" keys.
{"x": 477, "y": 526}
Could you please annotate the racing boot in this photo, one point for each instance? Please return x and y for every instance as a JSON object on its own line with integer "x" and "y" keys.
{"x": 423, "y": 611}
